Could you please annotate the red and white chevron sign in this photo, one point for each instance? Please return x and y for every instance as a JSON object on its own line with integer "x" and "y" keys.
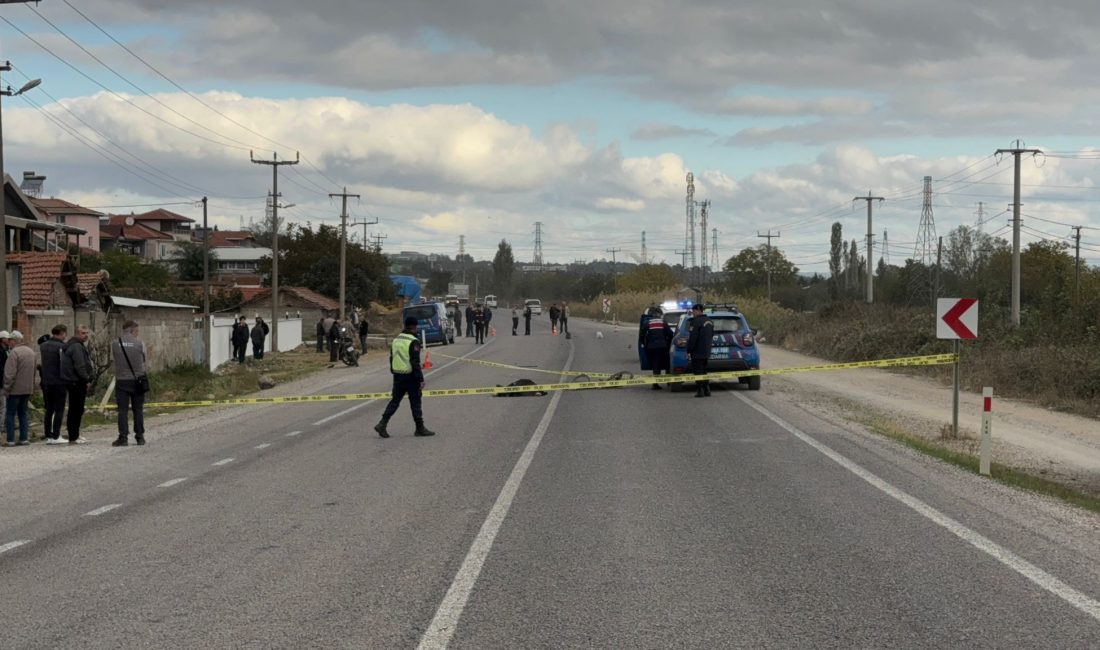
{"x": 957, "y": 318}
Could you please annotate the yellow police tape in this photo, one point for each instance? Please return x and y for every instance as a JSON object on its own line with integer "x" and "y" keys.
{"x": 926, "y": 360}
{"x": 494, "y": 364}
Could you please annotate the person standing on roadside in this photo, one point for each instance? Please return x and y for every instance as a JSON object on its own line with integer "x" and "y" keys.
{"x": 515, "y": 322}
{"x": 364, "y": 331}
{"x": 408, "y": 379}
{"x": 320, "y": 334}
{"x": 656, "y": 336}
{"x": 5, "y": 345}
{"x": 128, "y": 352}
{"x": 555, "y": 313}
{"x": 259, "y": 335}
{"x": 469, "y": 320}
{"x": 456, "y": 316}
{"x": 239, "y": 338}
{"x": 479, "y": 324}
{"x": 53, "y": 388}
{"x": 527, "y": 320}
{"x": 564, "y": 316}
{"x": 326, "y": 326}
{"x": 76, "y": 373}
{"x": 698, "y": 346}
{"x": 18, "y": 386}
{"x": 488, "y": 319}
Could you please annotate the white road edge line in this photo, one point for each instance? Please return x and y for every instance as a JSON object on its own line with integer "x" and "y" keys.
{"x": 11, "y": 546}
{"x": 103, "y": 509}
{"x": 264, "y": 445}
{"x": 224, "y": 461}
{"x": 292, "y": 434}
{"x": 1006, "y": 557}
{"x": 443, "y": 625}
{"x": 369, "y": 402}
{"x": 175, "y": 481}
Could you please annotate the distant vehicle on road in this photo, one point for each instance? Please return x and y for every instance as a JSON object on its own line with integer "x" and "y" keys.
{"x": 491, "y": 301}
{"x": 432, "y": 319}
{"x": 732, "y": 348}
{"x": 535, "y": 304}
{"x": 450, "y": 301}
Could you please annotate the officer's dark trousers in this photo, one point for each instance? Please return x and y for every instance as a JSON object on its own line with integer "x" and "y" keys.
{"x": 469, "y": 328}
{"x": 54, "y": 397}
{"x": 78, "y": 394}
{"x": 515, "y": 325}
{"x": 699, "y": 367}
{"x": 527, "y": 327}
{"x": 658, "y": 357}
{"x": 404, "y": 385}
{"x": 479, "y": 331}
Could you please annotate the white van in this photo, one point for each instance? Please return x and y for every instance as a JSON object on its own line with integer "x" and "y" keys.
{"x": 535, "y": 305}
{"x": 491, "y": 301}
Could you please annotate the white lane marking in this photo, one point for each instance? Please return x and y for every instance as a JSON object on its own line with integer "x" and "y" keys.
{"x": 369, "y": 402}
{"x": 443, "y": 625}
{"x": 344, "y": 412}
{"x": 1006, "y": 557}
{"x": 224, "y": 461}
{"x": 263, "y": 446}
{"x": 292, "y": 434}
{"x": 10, "y": 546}
{"x": 175, "y": 481}
{"x": 103, "y": 509}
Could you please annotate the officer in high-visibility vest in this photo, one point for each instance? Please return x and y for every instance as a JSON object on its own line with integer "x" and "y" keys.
{"x": 407, "y": 379}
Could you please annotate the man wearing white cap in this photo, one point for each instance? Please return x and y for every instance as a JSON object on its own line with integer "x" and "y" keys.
{"x": 18, "y": 386}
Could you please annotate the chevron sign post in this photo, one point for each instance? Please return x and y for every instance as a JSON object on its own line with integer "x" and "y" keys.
{"x": 956, "y": 318}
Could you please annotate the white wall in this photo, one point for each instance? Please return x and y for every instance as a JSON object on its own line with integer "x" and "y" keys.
{"x": 290, "y": 337}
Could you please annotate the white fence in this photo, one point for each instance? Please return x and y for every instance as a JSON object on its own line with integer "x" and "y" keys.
{"x": 221, "y": 350}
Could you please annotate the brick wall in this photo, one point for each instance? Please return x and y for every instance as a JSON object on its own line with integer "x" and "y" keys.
{"x": 166, "y": 333}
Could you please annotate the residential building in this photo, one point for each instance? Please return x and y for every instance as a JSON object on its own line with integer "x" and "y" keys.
{"x": 167, "y": 222}
{"x": 125, "y": 234}
{"x": 63, "y": 212}
{"x": 294, "y": 301}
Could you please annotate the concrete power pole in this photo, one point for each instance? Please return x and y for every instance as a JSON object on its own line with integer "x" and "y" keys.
{"x": 205, "y": 286}
{"x": 275, "y": 163}
{"x": 1077, "y": 271}
{"x": 365, "y": 224}
{"x": 870, "y": 245}
{"x": 768, "y": 259}
{"x": 1016, "y": 228}
{"x": 613, "y": 251}
{"x": 645, "y": 253}
{"x": 343, "y": 247}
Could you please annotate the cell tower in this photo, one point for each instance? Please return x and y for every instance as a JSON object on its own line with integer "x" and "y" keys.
{"x": 689, "y": 230}
{"x": 981, "y": 216}
{"x": 704, "y": 208}
{"x": 462, "y": 245}
{"x": 645, "y": 254}
{"x": 921, "y": 284}
{"x": 538, "y": 243}
{"x": 714, "y": 248}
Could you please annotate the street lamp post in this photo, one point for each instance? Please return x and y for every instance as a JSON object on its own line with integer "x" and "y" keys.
{"x": 5, "y": 309}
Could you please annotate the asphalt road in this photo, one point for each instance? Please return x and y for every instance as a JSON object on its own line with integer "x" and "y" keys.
{"x": 622, "y": 518}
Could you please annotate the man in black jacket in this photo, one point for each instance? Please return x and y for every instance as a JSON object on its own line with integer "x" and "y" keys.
{"x": 364, "y": 330}
{"x": 239, "y": 339}
{"x": 53, "y": 388}
{"x": 76, "y": 372}
{"x": 698, "y": 346}
{"x": 469, "y": 320}
{"x": 655, "y": 336}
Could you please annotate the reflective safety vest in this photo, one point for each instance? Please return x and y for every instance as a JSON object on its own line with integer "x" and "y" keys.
{"x": 399, "y": 353}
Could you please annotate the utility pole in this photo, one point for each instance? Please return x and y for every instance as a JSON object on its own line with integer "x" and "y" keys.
{"x": 364, "y": 224}
{"x": 343, "y": 248}
{"x": 1077, "y": 271}
{"x": 870, "y": 245}
{"x": 378, "y": 242}
{"x": 275, "y": 163}
{"x": 613, "y": 251}
{"x": 1016, "y": 228}
{"x": 714, "y": 248}
{"x": 205, "y": 285}
{"x": 645, "y": 254}
{"x": 683, "y": 259}
{"x": 768, "y": 259}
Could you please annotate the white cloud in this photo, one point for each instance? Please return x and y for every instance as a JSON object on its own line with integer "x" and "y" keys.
{"x": 620, "y": 204}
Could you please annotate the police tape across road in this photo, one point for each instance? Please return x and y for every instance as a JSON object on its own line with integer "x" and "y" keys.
{"x": 926, "y": 360}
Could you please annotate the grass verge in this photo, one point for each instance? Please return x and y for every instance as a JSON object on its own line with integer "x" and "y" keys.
{"x": 1001, "y": 473}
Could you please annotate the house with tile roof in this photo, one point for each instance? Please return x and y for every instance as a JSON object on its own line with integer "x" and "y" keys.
{"x": 311, "y": 305}
{"x": 61, "y": 211}
{"x": 50, "y": 291}
{"x": 165, "y": 221}
{"x": 127, "y": 235}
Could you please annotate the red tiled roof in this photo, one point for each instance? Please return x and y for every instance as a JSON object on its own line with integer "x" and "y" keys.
{"x": 229, "y": 238}
{"x": 160, "y": 214}
{"x": 87, "y": 282}
{"x": 60, "y": 206}
{"x": 40, "y": 271}
{"x": 308, "y": 295}
{"x": 116, "y": 228}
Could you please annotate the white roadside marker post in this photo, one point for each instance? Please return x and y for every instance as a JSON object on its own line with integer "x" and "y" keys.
{"x": 987, "y": 430}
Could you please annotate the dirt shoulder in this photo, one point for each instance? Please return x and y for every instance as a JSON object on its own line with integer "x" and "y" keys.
{"x": 1056, "y": 446}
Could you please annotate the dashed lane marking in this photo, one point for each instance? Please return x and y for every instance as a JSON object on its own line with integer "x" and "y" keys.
{"x": 293, "y": 433}
{"x": 175, "y": 481}
{"x": 102, "y": 509}
{"x": 263, "y": 445}
{"x": 224, "y": 461}
{"x": 1037, "y": 576}
{"x": 11, "y": 546}
{"x": 344, "y": 412}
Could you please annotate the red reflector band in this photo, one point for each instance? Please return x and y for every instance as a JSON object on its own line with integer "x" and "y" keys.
{"x": 988, "y": 404}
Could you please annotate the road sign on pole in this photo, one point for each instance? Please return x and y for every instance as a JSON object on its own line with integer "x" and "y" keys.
{"x": 957, "y": 318}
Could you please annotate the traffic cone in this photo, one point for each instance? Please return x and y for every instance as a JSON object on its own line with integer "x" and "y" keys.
{"x": 492, "y": 331}
{"x": 553, "y": 330}
{"x": 427, "y": 360}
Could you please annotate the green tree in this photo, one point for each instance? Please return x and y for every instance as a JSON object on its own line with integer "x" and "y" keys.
{"x": 187, "y": 259}
{"x": 648, "y": 277}
{"x": 438, "y": 281}
{"x": 504, "y": 265}
{"x": 836, "y": 251}
{"x": 748, "y": 270}
{"x": 126, "y": 270}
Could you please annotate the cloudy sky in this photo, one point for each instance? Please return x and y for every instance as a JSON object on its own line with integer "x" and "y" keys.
{"x": 482, "y": 117}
